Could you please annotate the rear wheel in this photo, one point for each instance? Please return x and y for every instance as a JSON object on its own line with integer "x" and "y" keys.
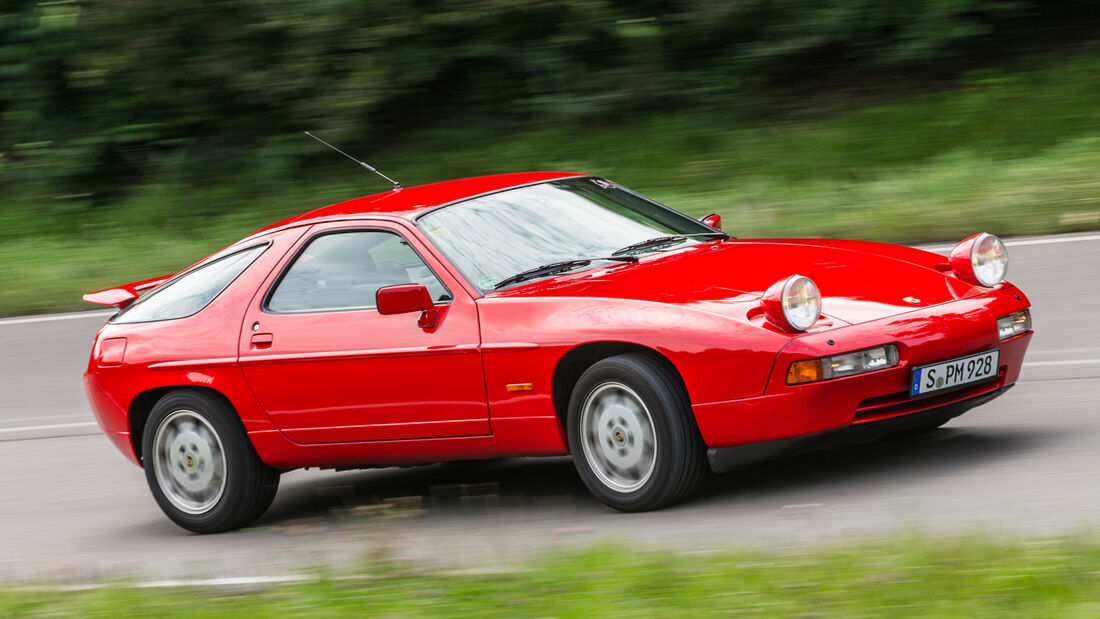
{"x": 200, "y": 465}
{"x": 632, "y": 434}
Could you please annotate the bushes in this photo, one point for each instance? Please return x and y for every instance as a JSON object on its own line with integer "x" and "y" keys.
{"x": 96, "y": 95}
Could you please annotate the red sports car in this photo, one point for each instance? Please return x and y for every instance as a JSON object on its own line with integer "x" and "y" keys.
{"x": 536, "y": 314}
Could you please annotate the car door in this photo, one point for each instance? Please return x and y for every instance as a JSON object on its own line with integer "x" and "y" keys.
{"x": 328, "y": 367}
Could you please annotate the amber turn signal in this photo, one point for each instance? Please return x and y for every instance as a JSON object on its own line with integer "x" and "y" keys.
{"x": 805, "y": 372}
{"x": 846, "y": 364}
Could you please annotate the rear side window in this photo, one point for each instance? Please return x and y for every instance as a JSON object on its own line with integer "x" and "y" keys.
{"x": 189, "y": 294}
{"x": 343, "y": 271}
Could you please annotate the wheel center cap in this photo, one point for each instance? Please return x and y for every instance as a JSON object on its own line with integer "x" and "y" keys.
{"x": 190, "y": 462}
{"x": 619, "y": 436}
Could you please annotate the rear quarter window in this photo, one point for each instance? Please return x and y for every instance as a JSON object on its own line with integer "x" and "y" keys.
{"x": 190, "y": 293}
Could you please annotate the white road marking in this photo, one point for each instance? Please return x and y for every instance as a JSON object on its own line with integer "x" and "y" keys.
{"x": 53, "y": 317}
{"x": 244, "y": 581}
{"x": 1051, "y": 240}
{"x": 43, "y": 418}
{"x": 1021, "y": 242}
{"x": 230, "y": 581}
{"x": 1062, "y": 351}
{"x": 1036, "y": 364}
{"x": 56, "y": 426}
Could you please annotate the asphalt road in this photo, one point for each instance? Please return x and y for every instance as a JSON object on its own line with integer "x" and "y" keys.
{"x": 1028, "y": 464}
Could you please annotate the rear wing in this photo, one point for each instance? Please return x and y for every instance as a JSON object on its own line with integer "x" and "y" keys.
{"x": 122, "y": 296}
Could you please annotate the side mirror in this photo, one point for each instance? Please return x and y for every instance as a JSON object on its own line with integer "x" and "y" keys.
{"x": 714, "y": 220}
{"x": 406, "y": 298}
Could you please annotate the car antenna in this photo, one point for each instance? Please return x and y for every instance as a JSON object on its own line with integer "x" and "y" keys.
{"x": 367, "y": 167}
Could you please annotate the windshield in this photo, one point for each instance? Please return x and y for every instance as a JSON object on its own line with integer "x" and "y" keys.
{"x": 499, "y": 235}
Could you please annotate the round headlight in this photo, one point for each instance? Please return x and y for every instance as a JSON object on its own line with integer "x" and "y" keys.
{"x": 981, "y": 259}
{"x": 793, "y": 303}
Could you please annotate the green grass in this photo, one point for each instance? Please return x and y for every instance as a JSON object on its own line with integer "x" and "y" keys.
{"x": 1006, "y": 152}
{"x": 914, "y": 578}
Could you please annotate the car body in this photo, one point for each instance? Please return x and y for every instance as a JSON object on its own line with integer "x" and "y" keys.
{"x": 306, "y": 361}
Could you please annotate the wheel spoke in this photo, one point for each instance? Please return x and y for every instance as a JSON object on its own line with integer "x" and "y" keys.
{"x": 189, "y": 462}
{"x": 618, "y": 437}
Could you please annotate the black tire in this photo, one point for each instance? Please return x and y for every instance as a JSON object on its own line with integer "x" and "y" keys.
{"x": 679, "y": 462}
{"x": 247, "y": 485}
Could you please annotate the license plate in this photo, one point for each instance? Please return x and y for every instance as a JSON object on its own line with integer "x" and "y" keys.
{"x": 947, "y": 374}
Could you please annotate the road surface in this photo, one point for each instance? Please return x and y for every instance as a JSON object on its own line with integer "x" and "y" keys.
{"x": 73, "y": 509}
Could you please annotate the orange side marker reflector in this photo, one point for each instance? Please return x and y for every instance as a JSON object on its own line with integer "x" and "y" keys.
{"x": 519, "y": 387}
{"x": 805, "y": 372}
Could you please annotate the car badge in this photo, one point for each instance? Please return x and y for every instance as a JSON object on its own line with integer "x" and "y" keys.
{"x": 913, "y": 300}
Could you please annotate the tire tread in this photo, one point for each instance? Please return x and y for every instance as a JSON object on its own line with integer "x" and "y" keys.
{"x": 258, "y": 482}
{"x": 688, "y": 468}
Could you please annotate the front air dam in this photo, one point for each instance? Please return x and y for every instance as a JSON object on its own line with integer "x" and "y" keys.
{"x": 723, "y": 459}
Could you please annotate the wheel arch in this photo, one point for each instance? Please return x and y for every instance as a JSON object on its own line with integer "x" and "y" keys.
{"x": 576, "y": 360}
{"x": 142, "y": 405}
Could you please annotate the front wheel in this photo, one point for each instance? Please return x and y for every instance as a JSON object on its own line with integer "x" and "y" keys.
{"x": 200, "y": 465}
{"x": 633, "y": 435}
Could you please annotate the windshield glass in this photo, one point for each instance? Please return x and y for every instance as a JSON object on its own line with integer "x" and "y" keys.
{"x": 496, "y": 236}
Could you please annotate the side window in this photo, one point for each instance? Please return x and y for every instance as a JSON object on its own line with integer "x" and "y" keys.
{"x": 192, "y": 292}
{"x": 344, "y": 270}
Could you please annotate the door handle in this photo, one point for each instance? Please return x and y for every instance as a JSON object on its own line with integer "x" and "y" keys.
{"x": 262, "y": 340}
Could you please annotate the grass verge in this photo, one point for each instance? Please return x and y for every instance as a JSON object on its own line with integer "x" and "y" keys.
{"x": 914, "y": 578}
{"x": 1007, "y": 152}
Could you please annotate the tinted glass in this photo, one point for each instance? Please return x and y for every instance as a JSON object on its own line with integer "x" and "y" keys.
{"x": 498, "y": 235}
{"x": 344, "y": 270}
{"x": 192, "y": 292}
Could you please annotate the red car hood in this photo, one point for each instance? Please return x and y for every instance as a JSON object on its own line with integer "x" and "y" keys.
{"x": 859, "y": 281}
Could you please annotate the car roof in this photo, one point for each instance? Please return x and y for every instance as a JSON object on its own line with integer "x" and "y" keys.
{"x": 409, "y": 202}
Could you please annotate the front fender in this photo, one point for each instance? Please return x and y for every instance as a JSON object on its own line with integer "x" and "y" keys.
{"x": 719, "y": 357}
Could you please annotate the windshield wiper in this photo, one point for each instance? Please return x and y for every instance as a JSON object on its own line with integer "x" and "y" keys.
{"x": 557, "y": 267}
{"x": 664, "y": 240}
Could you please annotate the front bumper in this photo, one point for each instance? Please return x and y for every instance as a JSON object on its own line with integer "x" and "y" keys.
{"x": 924, "y": 336}
{"x": 723, "y": 459}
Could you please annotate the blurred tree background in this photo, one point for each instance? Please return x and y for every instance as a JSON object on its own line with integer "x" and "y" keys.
{"x": 142, "y": 115}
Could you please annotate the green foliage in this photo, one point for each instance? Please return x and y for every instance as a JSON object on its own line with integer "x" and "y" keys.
{"x": 167, "y": 129}
{"x": 98, "y": 96}
{"x": 915, "y": 578}
{"x": 1009, "y": 153}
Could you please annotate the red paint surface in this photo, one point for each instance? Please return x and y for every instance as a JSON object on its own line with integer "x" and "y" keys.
{"x": 362, "y": 388}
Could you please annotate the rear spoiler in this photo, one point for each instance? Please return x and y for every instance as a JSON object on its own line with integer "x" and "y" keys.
{"x": 122, "y": 296}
